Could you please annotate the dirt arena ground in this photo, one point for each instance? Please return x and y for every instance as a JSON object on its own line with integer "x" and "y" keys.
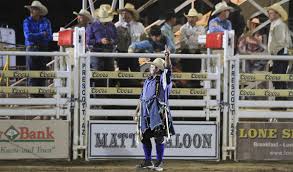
{"x": 129, "y": 166}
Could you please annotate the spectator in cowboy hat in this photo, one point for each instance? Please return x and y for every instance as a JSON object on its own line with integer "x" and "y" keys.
{"x": 221, "y": 22}
{"x": 101, "y": 36}
{"x": 236, "y": 18}
{"x": 83, "y": 18}
{"x": 37, "y": 33}
{"x": 189, "y": 33}
{"x": 129, "y": 31}
{"x": 130, "y": 17}
{"x": 279, "y": 41}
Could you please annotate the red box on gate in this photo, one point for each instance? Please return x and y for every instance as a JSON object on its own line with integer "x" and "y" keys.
{"x": 65, "y": 37}
{"x": 214, "y": 40}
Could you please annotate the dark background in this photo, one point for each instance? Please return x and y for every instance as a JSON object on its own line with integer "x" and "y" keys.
{"x": 12, "y": 12}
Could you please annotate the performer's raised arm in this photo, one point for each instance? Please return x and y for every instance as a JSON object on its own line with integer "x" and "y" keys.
{"x": 168, "y": 63}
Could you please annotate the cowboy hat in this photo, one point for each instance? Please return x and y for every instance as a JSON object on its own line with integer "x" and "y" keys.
{"x": 222, "y": 6}
{"x": 40, "y": 6}
{"x": 130, "y": 8}
{"x": 105, "y": 13}
{"x": 193, "y": 13}
{"x": 159, "y": 63}
{"x": 279, "y": 9}
{"x": 84, "y": 13}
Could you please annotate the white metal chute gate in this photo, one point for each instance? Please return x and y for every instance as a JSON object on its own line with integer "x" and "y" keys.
{"x": 110, "y": 104}
{"x": 254, "y": 104}
{"x": 209, "y": 103}
{"x": 60, "y": 89}
{"x": 20, "y": 105}
{"x": 253, "y": 110}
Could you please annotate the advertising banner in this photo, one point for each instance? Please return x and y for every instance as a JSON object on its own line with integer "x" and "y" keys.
{"x": 265, "y": 141}
{"x": 34, "y": 139}
{"x": 196, "y": 140}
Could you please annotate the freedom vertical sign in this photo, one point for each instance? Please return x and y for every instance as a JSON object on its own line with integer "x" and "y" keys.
{"x": 265, "y": 141}
{"x": 34, "y": 139}
{"x": 112, "y": 139}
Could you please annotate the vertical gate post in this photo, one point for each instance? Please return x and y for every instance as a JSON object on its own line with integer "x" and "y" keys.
{"x": 228, "y": 45}
{"x": 79, "y": 49}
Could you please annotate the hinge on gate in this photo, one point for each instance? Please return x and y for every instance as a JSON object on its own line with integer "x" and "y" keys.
{"x": 79, "y": 38}
{"x": 222, "y": 104}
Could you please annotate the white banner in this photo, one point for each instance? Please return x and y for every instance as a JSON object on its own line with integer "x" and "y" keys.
{"x": 34, "y": 139}
{"x": 114, "y": 139}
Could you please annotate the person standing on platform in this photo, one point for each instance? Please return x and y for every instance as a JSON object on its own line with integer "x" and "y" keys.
{"x": 189, "y": 33}
{"x": 37, "y": 33}
{"x": 101, "y": 36}
{"x": 279, "y": 41}
{"x": 129, "y": 30}
{"x": 221, "y": 22}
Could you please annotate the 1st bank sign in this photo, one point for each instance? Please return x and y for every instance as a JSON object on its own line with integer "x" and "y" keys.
{"x": 24, "y": 134}
{"x": 34, "y": 139}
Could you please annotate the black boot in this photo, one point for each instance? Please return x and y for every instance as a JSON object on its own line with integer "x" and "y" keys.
{"x": 158, "y": 166}
{"x": 146, "y": 164}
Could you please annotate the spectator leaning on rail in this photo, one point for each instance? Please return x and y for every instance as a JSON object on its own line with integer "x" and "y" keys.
{"x": 252, "y": 43}
{"x": 156, "y": 42}
{"x": 189, "y": 33}
{"x": 129, "y": 31}
{"x": 154, "y": 111}
{"x": 84, "y": 18}
{"x": 101, "y": 36}
{"x": 279, "y": 40}
{"x": 221, "y": 22}
{"x": 37, "y": 33}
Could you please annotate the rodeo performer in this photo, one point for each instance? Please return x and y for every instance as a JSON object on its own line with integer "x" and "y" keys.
{"x": 154, "y": 119}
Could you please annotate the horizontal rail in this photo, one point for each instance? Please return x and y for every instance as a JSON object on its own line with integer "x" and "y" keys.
{"x": 32, "y": 53}
{"x": 35, "y": 74}
{"x": 32, "y": 112}
{"x": 260, "y": 57}
{"x": 264, "y": 114}
{"x": 266, "y": 92}
{"x": 264, "y": 104}
{"x": 137, "y": 91}
{"x": 265, "y": 77}
{"x": 175, "y": 113}
{"x": 33, "y": 90}
{"x": 150, "y": 55}
{"x": 134, "y": 102}
{"x": 143, "y": 75}
{"x": 32, "y": 101}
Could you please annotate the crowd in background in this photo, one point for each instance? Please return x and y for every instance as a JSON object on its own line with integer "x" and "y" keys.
{"x": 130, "y": 35}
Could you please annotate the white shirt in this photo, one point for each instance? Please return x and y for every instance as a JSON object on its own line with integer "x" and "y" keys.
{"x": 279, "y": 37}
{"x": 189, "y": 35}
{"x": 136, "y": 29}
